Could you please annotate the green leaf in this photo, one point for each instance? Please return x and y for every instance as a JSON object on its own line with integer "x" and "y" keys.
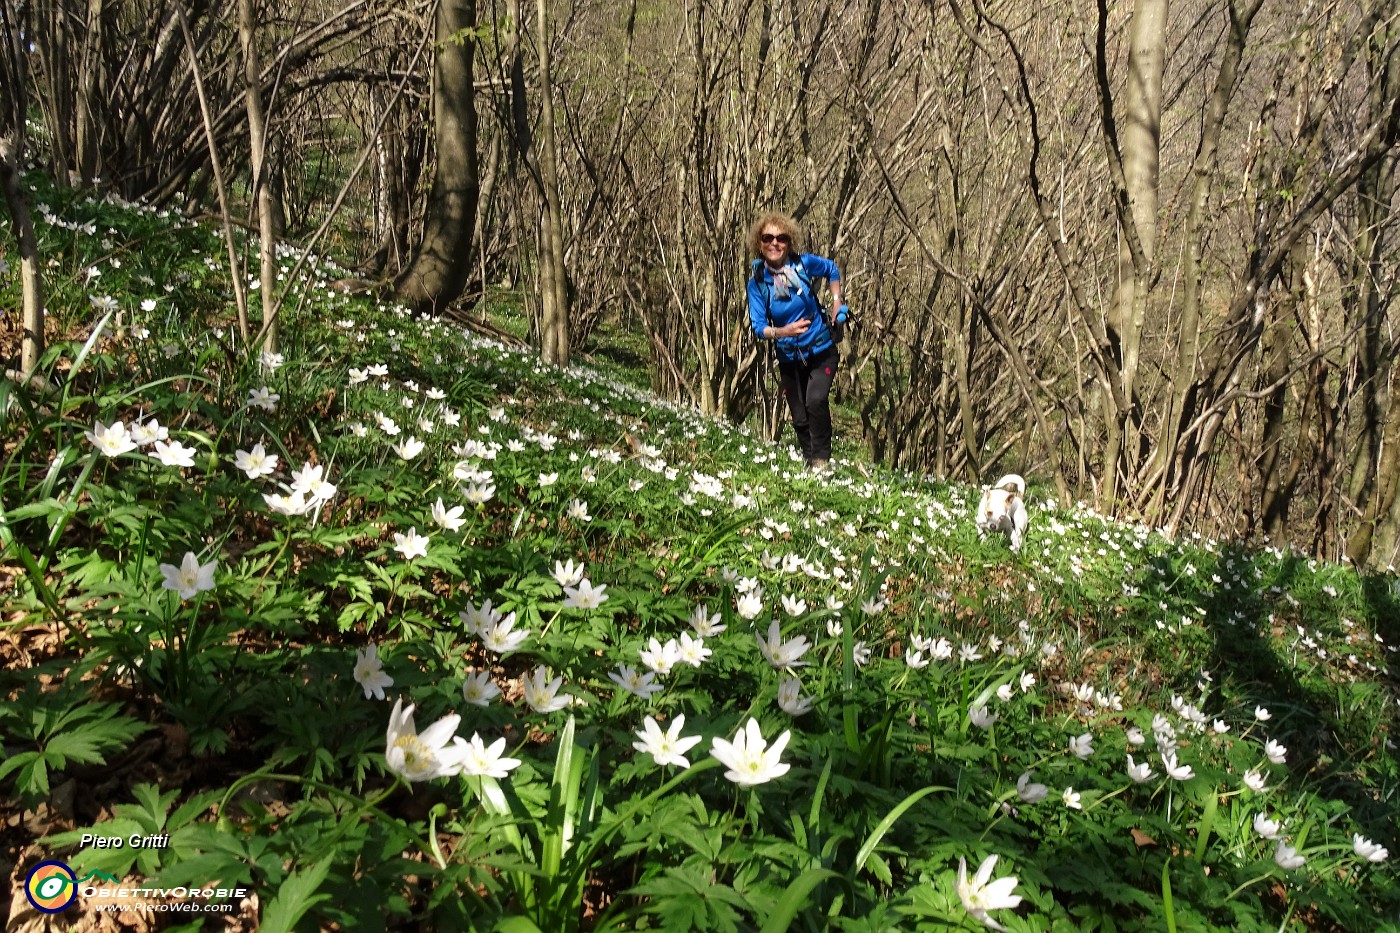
{"x": 796, "y": 897}
{"x": 80, "y": 747}
{"x": 1167, "y": 908}
{"x": 15, "y": 762}
{"x": 888, "y": 822}
{"x": 295, "y": 897}
{"x": 34, "y": 575}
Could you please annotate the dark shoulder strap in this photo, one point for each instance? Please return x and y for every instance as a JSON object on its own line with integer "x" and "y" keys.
{"x": 811, "y": 290}
{"x": 802, "y": 271}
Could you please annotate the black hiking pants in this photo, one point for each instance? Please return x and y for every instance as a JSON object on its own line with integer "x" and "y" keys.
{"x": 807, "y": 388}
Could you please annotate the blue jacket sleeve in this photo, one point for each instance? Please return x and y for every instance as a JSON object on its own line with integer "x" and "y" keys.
{"x": 758, "y": 311}
{"x": 819, "y": 267}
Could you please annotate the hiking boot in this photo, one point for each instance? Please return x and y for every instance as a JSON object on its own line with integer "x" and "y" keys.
{"x": 819, "y": 466}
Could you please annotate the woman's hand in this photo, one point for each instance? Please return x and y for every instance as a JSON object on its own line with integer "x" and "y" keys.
{"x": 796, "y": 329}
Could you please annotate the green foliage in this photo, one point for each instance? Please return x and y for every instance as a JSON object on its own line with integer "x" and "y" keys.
{"x": 51, "y": 731}
{"x": 277, "y": 778}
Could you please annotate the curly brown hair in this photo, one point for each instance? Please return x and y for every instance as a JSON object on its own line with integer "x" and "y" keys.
{"x": 774, "y": 219}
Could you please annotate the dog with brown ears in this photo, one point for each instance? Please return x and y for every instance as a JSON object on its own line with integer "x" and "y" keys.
{"x": 1003, "y": 509}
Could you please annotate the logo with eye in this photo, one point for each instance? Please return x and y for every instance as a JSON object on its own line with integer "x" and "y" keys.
{"x": 51, "y": 887}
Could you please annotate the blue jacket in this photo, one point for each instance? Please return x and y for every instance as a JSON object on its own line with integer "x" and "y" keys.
{"x": 767, "y": 308}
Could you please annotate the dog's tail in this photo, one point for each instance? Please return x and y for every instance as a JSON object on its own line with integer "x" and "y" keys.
{"x": 1012, "y": 482}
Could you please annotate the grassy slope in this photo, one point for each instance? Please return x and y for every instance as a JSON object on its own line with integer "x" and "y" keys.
{"x": 1089, "y": 601}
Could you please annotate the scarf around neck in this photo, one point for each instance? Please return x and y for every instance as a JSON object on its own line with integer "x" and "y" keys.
{"x": 785, "y": 281}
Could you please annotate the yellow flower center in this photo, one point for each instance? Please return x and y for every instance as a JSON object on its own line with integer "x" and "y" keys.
{"x": 417, "y": 757}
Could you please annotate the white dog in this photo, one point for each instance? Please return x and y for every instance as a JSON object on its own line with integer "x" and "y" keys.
{"x": 1003, "y": 508}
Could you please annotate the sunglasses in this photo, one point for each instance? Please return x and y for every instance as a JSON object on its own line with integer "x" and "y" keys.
{"x": 782, "y": 238}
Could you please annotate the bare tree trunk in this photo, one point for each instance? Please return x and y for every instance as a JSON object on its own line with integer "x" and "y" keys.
{"x": 13, "y": 81}
{"x": 1202, "y": 180}
{"x": 31, "y": 282}
{"x": 91, "y": 94}
{"x": 1134, "y": 159}
{"x": 262, "y": 188}
{"x": 554, "y": 293}
{"x": 1375, "y": 488}
{"x": 442, "y": 264}
{"x": 52, "y": 44}
{"x": 240, "y": 293}
{"x": 1274, "y": 476}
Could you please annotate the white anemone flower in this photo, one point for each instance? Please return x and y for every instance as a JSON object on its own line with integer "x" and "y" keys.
{"x": 448, "y": 519}
{"x": 311, "y": 482}
{"x": 1082, "y": 746}
{"x": 190, "y": 577}
{"x": 292, "y": 503}
{"x": 978, "y": 896}
{"x": 479, "y": 689}
{"x": 750, "y": 760}
{"x": 781, "y": 653}
{"x": 692, "y": 651}
{"x": 1177, "y": 772}
{"x": 1368, "y": 850}
{"x": 411, "y": 545}
{"x": 749, "y": 605}
{"x": 661, "y": 658}
{"x": 569, "y": 573}
{"x": 436, "y": 752}
{"x": 981, "y": 717}
{"x": 478, "y": 620}
{"x": 255, "y": 463}
{"x": 790, "y": 699}
{"x": 111, "y": 440}
{"x": 479, "y": 493}
{"x": 263, "y": 398}
{"x": 1267, "y": 828}
{"x": 641, "y": 685}
{"x": 1029, "y": 791}
{"x": 1275, "y": 752}
{"x": 585, "y": 595}
{"x": 542, "y": 694}
{"x": 1140, "y": 773}
{"x": 705, "y": 624}
{"x": 369, "y": 672}
{"x": 794, "y": 606}
{"x": 174, "y": 454}
{"x": 940, "y": 650}
{"x": 409, "y": 447}
{"x": 480, "y": 759}
{"x": 502, "y": 638}
{"x": 146, "y": 433}
{"x": 1287, "y": 857}
{"x": 665, "y": 748}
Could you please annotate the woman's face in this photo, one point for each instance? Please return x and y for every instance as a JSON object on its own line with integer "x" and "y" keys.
{"x": 774, "y": 243}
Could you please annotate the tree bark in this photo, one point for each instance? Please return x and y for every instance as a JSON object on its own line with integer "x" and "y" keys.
{"x": 262, "y": 189}
{"x": 12, "y": 138}
{"x": 442, "y": 264}
{"x": 1202, "y": 178}
{"x": 31, "y": 282}
{"x": 554, "y": 292}
{"x": 1134, "y": 160}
